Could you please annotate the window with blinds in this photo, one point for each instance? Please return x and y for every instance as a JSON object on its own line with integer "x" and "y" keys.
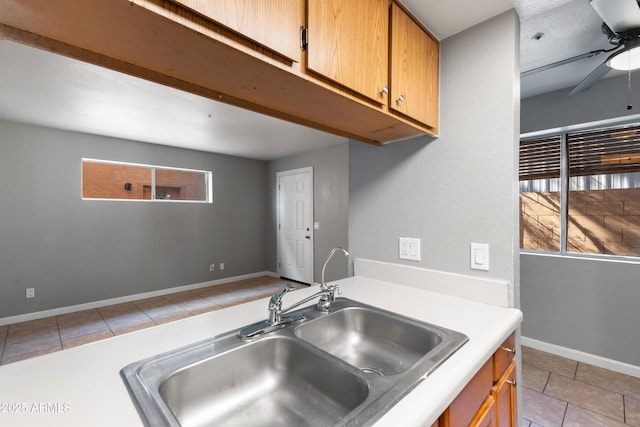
{"x": 604, "y": 151}
{"x": 595, "y": 208}
{"x": 540, "y": 158}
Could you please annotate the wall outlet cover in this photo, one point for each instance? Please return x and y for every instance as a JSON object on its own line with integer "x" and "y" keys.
{"x": 409, "y": 248}
{"x": 480, "y": 256}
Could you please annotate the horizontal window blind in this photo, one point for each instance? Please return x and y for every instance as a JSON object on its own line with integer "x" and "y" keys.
{"x": 540, "y": 158}
{"x": 604, "y": 151}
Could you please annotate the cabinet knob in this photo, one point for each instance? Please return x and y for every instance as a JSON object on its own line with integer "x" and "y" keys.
{"x": 513, "y": 383}
{"x": 400, "y": 98}
{"x": 384, "y": 90}
{"x": 509, "y": 350}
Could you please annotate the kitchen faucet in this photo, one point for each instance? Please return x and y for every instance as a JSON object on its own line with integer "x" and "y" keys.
{"x": 276, "y": 320}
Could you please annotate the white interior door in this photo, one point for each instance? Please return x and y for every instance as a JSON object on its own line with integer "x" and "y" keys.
{"x": 295, "y": 219}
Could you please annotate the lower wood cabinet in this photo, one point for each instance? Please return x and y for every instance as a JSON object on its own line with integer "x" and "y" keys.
{"x": 489, "y": 399}
{"x": 486, "y": 416}
{"x": 504, "y": 393}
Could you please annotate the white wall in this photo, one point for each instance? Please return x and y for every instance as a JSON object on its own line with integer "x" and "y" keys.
{"x": 458, "y": 188}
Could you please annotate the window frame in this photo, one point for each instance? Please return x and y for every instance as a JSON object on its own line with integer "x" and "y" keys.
{"x": 207, "y": 174}
{"x": 564, "y": 186}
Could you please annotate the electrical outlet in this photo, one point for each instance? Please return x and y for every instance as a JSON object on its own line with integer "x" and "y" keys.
{"x": 221, "y": 265}
{"x": 31, "y": 292}
{"x": 212, "y": 266}
{"x": 409, "y": 248}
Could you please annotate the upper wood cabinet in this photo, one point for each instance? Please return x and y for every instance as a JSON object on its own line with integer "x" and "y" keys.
{"x": 414, "y": 65}
{"x": 247, "y": 53}
{"x": 274, "y": 24}
{"x": 348, "y": 44}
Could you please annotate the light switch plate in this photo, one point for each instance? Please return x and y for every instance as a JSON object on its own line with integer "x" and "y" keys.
{"x": 480, "y": 256}
{"x": 409, "y": 248}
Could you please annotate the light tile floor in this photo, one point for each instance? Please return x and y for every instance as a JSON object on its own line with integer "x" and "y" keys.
{"x": 560, "y": 392}
{"x": 24, "y": 340}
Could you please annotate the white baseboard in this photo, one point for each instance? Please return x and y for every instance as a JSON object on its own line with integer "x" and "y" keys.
{"x": 127, "y": 298}
{"x": 580, "y": 356}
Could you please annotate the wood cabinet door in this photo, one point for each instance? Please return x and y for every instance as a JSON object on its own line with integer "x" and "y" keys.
{"x": 414, "y": 69}
{"x": 470, "y": 402}
{"x": 486, "y": 416}
{"x": 348, "y": 44}
{"x": 274, "y": 24}
{"x": 505, "y": 394}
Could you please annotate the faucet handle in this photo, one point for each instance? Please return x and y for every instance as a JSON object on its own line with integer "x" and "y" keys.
{"x": 276, "y": 299}
{"x": 335, "y": 289}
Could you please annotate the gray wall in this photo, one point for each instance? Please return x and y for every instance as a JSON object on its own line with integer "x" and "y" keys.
{"x": 582, "y": 304}
{"x": 73, "y": 251}
{"x": 605, "y": 100}
{"x": 331, "y": 202}
{"x": 460, "y": 187}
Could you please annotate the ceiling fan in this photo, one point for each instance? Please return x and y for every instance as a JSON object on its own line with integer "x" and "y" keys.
{"x": 621, "y": 25}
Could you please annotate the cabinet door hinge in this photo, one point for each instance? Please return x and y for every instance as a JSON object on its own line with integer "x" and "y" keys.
{"x": 304, "y": 38}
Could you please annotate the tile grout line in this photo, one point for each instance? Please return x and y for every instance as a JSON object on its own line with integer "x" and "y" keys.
{"x": 59, "y": 334}
{"x": 4, "y": 344}
{"x": 599, "y": 388}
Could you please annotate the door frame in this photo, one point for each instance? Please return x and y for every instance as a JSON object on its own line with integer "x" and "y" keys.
{"x": 309, "y": 170}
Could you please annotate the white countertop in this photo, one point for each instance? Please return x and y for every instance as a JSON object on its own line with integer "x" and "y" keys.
{"x": 81, "y": 386}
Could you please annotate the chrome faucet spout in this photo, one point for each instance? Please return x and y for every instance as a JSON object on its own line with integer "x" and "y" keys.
{"x": 321, "y": 293}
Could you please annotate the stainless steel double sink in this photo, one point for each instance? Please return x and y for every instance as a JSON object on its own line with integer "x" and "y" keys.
{"x": 346, "y": 368}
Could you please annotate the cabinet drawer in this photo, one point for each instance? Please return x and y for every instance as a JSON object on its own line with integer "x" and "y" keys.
{"x": 503, "y": 356}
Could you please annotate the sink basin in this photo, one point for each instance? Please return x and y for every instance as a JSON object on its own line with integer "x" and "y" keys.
{"x": 373, "y": 341}
{"x": 265, "y": 383}
{"x": 342, "y": 368}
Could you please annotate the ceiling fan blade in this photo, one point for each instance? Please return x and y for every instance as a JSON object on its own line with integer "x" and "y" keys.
{"x": 562, "y": 62}
{"x": 619, "y": 15}
{"x": 592, "y": 78}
